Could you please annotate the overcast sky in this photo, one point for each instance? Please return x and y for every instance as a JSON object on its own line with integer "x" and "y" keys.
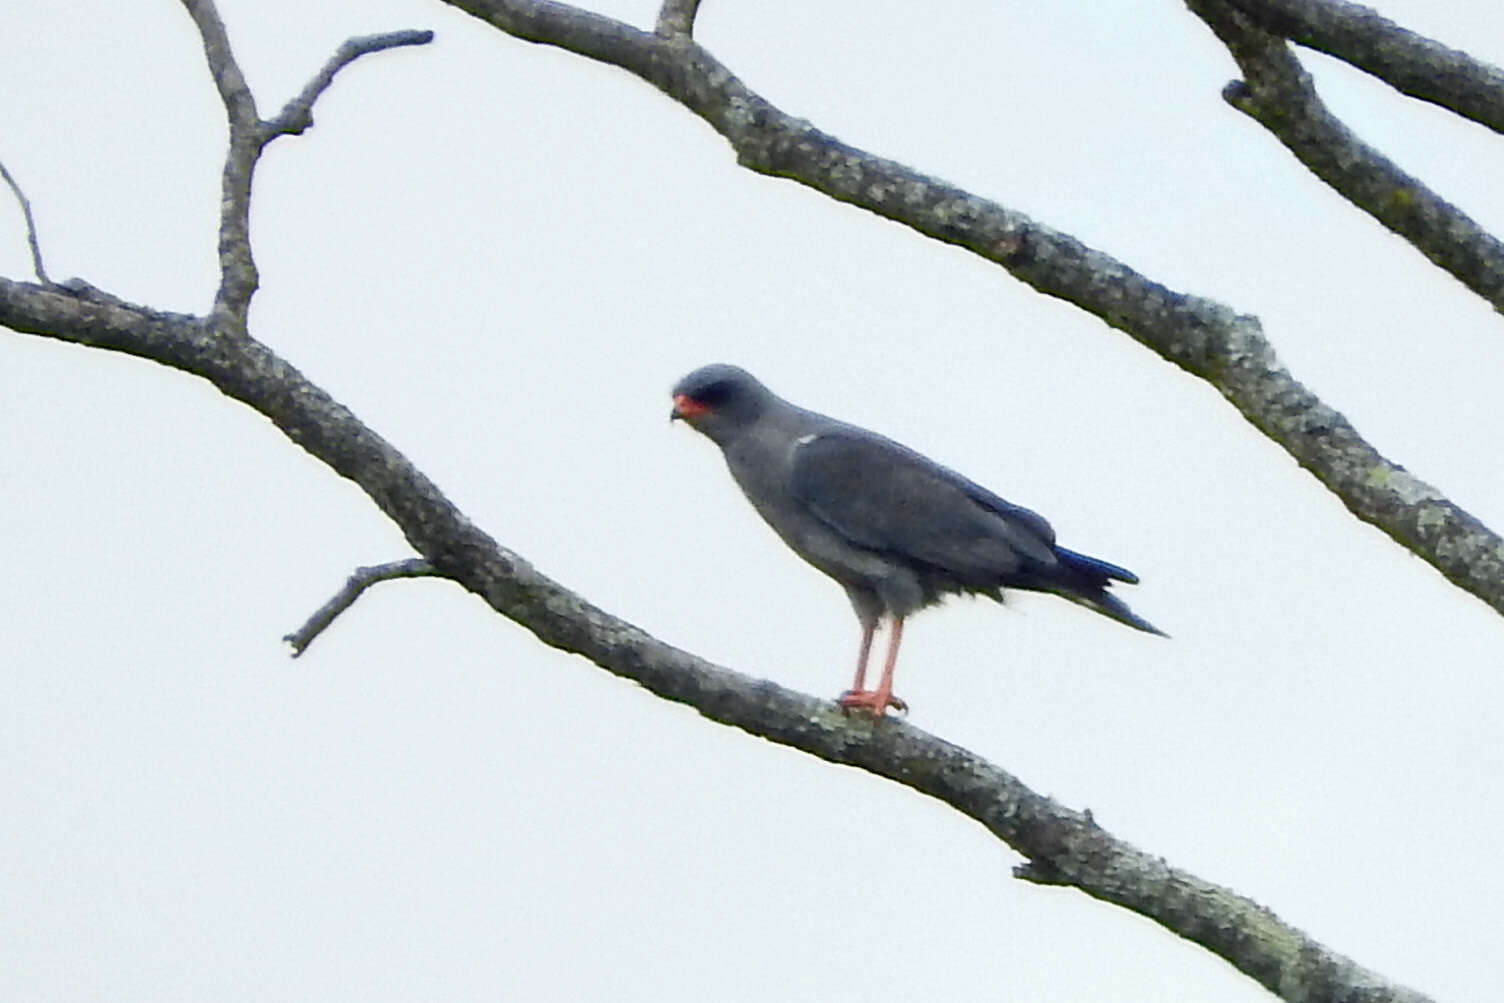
{"x": 501, "y": 257}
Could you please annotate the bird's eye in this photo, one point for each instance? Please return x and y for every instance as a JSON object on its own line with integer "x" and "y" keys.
{"x": 716, "y": 394}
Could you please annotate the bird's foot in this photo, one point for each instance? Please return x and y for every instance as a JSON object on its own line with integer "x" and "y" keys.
{"x": 875, "y": 702}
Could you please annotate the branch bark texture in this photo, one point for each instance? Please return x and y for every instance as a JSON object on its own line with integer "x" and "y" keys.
{"x": 1410, "y": 63}
{"x": 677, "y": 17}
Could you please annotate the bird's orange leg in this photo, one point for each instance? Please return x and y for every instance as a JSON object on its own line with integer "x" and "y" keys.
{"x": 879, "y": 700}
{"x": 860, "y": 683}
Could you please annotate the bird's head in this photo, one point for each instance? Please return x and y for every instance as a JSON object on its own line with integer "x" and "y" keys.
{"x": 719, "y": 400}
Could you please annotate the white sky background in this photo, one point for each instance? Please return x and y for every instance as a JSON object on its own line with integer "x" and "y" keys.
{"x": 501, "y": 256}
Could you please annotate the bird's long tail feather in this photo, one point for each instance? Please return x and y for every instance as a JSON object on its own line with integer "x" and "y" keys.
{"x": 1110, "y": 605}
{"x": 1090, "y": 590}
{"x": 1095, "y": 566}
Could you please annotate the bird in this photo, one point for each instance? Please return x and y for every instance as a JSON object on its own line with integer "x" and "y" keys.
{"x": 896, "y": 530}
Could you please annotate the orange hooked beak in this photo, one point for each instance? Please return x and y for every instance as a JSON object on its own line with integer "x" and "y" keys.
{"x": 686, "y": 407}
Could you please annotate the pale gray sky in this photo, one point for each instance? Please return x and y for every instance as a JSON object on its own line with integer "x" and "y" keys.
{"x": 501, "y": 256}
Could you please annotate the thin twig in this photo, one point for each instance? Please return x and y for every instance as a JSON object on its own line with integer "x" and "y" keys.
{"x": 355, "y": 585}
{"x": 31, "y": 226}
{"x": 677, "y": 18}
{"x": 297, "y": 114}
{"x": 1412, "y": 64}
{"x": 1278, "y": 94}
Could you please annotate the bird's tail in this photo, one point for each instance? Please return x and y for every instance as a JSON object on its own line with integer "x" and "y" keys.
{"x": 1092, "y": 593}
{"x": 1110, "y": 605}
{"x": 1095, "y": 567}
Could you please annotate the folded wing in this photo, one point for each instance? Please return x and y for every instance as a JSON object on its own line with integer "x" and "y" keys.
{"x": 884, "y": 497}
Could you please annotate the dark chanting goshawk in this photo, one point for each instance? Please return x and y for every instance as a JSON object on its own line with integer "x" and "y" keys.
{"x": 897, "y": 530}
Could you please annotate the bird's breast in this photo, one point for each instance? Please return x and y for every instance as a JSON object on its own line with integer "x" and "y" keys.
{"x": 763, "y": 473}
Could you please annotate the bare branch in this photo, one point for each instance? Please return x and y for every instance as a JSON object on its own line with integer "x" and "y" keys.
{"x": 1205, "y": 338}
{"x": 355, "y": 585}
{"x": 31, "y": 227}
{"x": 1062, "y": 846}
{"x": 297, "y": 115}
{"x": 239, "y": 102}
{"x": 677, "y": 17}
{"x": 1278, "y": 93}
{"x": 238, "y": 275}
{"x": 1410, "y": 63}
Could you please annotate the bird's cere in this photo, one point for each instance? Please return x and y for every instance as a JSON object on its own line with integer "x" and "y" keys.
{"x": 686, "y": 407}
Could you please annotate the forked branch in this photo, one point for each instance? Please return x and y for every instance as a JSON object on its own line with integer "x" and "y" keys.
{"x": 1410, "y": 63}
{"x": 249, "y": 135}
{"x": 1278, "y": 94}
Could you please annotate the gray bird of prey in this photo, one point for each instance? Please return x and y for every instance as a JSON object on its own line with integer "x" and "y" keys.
{"x": 896, "y": 529}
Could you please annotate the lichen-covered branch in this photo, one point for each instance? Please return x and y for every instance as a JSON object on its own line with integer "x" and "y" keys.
{"x": 1410, "y": 63}
{"x": 1061, "y": 845}
{"x": 1207, "y": 339}
{"x": 677, "y": 17}
{"x": 1278, "y": 93}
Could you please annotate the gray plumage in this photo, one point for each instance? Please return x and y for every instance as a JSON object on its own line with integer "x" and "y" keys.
{"x": 896, "y": 530}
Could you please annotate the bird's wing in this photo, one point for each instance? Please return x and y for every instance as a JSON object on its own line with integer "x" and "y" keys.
{"x": 883, "y": 496}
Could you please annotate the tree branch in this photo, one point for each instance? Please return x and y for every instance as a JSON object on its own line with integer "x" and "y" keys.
{"x": 677, "y": 17}
{"x": 354, "y": 587}
{"x": 1278, "y": 93}
{"x": 31, "y": 227}
{"x": 238, "y": 277}
{"x": 1410, "y": 63}
{"x": 1061, "y": 845}
{"x": 1204, "y": 338}
{"x": 297, "y": 115}
{"x": 249, "y": 135}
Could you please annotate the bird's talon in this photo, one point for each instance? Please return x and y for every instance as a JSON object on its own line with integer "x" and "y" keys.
{"x": 871, "y": 701}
